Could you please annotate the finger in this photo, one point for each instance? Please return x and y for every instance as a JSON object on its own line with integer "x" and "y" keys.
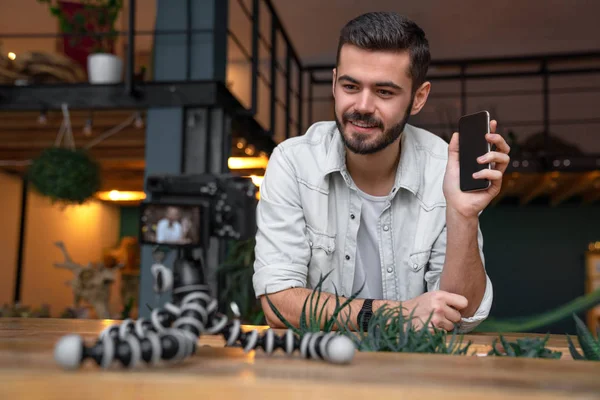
{"x": 490, "y": 174}
{"x": 452, "y": 314}
{"x": 499, "y": 142}
{"x": 455, "y": 300}
{"x": 493, "y": 125}
{"x": 453, "y": 147}
{"x": 443, "y": 323}
{"x": 494, "y": 156}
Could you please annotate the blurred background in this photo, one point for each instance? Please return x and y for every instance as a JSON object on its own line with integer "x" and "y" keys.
{"x": 191, "y": 86}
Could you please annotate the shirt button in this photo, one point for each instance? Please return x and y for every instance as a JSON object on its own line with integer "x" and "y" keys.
{"x": 386, "y": 228}
{"x": 347, "y": 257}
{"x": 415, "y": 266}
{"x": 390, "y": 270}
{"x": 352, "y": 216}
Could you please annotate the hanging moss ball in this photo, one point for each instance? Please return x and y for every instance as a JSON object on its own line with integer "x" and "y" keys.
{"x": 65, "y": 175}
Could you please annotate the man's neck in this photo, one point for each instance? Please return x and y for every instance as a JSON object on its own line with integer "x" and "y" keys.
{"x": 375, "y": 173}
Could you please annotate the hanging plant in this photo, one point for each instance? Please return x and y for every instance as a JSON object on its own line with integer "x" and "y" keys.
{"x": 65, "y": 175}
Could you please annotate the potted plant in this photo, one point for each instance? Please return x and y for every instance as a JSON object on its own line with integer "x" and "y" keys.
{"x": 88, "y": 26}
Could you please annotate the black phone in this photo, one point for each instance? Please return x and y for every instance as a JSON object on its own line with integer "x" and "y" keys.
{"x": 472, "y": 144}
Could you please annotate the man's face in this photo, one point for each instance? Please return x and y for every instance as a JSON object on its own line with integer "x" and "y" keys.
{"x": 372, "y": 95}
{"x": 172, "y": 214}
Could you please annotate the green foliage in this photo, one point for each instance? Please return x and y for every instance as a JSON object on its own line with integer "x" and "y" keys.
{"x": 96, "y": 20}
{"x": 65, "y": 175}
{"x": 590, "y": 346}
{"x": 389, "y": 330}
{"x": 236, "y": 272}
{"x": 534, "y": 347}
{"x": 318, "y": 319}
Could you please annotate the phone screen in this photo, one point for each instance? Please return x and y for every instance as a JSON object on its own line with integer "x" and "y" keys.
{"x": 472, "y": 144}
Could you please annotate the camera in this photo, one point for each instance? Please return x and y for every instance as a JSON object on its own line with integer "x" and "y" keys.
{"x": 186, "y": 210}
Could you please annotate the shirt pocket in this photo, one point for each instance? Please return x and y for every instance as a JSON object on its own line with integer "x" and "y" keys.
{"x": 322, "y": 257}
{"x": 418, "y": 260}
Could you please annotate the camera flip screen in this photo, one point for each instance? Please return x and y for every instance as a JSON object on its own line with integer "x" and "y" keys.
{"x": 170, "y": 224}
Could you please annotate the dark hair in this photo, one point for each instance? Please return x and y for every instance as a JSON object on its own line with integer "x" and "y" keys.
{"x": 389, "y": 31}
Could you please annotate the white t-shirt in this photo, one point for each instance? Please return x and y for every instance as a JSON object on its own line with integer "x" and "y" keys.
{"x": 368, "y": 262}
{"x": 166, "y": 233}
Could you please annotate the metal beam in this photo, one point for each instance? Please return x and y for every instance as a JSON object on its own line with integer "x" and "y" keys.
{"x": 498, "y": 75}
{"x": 492, "y": 60}
{"x": 255, "y": 55}
{"x": 273, "y": 78}
{"x": 88, "y": 96}
{"x": 130, "y": 72}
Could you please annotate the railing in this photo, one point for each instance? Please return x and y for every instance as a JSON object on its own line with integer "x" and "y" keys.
{"x": 528, "y": 95}
{"x": 270, "y": 63}
{"x": 547, "y": 97}
{"x": 261, "y": 67}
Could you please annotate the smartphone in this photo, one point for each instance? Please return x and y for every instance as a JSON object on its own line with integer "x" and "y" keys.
{"x": 472, "y": 144}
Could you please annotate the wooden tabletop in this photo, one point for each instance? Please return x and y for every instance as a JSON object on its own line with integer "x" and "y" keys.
{"x": 28, "y": 371}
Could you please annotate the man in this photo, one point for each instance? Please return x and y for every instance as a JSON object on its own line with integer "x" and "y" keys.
{"x": 169, "y": 229}
{"x": 373, "y": 201}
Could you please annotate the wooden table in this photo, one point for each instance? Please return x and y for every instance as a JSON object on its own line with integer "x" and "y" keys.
{"x": 28, "y": 371}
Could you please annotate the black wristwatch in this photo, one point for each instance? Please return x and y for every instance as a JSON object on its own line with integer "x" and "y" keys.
{"x": 365, "y": 314}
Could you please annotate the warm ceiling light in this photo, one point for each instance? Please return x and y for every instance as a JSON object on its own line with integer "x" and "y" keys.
{"x": 247, "y": 162}
{"x": 117, "y": 195}
{"x": 12, "y": 55}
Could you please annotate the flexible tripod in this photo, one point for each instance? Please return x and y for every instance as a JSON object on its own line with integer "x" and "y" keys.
{"x": 172, "y": 332}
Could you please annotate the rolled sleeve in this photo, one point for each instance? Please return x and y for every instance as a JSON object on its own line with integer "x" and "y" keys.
{"x": 468, "y": 324}
{"x": 282, "y": 252}
{"x": 433, "y": 275}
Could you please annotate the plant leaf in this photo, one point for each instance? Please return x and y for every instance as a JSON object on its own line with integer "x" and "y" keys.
{"x": 591, "y": 349}
{"x": 281, "y": 318}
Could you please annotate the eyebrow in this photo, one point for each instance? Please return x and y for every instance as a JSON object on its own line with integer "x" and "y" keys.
{"x": 389, "y": 84}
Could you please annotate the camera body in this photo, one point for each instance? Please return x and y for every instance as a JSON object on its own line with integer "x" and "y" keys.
{"x": 186, "y": 210}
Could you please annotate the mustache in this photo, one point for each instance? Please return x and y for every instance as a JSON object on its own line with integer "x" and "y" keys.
{"x": 366, "y": 118}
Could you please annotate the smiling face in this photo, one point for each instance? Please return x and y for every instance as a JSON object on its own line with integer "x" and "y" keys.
{"x": 373, "y": 97}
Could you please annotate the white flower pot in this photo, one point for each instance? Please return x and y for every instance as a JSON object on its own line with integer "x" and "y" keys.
{"x": 104, "y": 68}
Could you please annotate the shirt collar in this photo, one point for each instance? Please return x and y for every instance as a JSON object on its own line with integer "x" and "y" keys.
{"x": 410, "y": 167}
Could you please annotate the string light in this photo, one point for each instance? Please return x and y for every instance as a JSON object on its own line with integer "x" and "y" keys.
{"x": 12, "y": 55}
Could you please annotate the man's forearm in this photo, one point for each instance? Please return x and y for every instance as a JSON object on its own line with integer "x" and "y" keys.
{"x": 463, "y": 271}
{"x": 289, "y": 303}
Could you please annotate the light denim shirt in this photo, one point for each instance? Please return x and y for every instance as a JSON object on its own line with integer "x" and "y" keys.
{"x": 309, "y": 213}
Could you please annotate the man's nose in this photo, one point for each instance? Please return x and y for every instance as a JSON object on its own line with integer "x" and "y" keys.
{"x": 365, "y": 103}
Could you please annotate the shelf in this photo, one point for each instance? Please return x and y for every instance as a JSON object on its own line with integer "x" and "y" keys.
{"x": 144, "y": 95}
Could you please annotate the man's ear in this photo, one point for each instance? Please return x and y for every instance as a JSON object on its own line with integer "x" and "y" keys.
{"x": 420, "y": 98}
{"x": 333, "y": 82}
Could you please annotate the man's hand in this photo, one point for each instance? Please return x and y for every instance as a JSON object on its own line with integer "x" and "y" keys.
{"x": 445, "y": 307}
{"x": 472, "y": 203}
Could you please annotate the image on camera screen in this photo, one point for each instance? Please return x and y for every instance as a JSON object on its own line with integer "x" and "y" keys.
{"x": 170, "y": 224}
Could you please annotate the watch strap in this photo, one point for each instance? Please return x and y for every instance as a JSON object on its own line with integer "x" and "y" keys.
{"x": 365, "y": 314}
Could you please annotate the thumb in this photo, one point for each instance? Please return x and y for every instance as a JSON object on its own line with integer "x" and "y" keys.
{"x": 453, "y": 148}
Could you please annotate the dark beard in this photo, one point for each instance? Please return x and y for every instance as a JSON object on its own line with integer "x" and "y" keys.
{"x": 358, "y": 142}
